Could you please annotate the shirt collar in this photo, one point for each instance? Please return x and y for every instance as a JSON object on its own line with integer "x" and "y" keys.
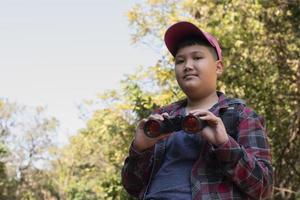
{"x": 221, "y": 104}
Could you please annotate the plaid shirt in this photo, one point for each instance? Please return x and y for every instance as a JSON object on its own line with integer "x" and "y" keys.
{"x": 239, "y": 169}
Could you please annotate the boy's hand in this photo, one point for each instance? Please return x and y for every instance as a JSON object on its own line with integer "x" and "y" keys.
{"x": 215, "y": 132}
{"x": 141, "y": 140}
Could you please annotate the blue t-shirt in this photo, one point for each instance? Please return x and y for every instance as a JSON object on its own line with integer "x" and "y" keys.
{"x": 172, "y": 181}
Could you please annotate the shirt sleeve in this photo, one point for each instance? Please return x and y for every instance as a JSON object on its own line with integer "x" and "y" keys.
{"x": 138, "y": 165}
{"x": 247, "y": 161}
{"x": 136, "y": 170}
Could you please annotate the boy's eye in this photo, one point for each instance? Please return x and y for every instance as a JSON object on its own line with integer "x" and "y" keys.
{"x": 197, "y": 57}
{"x": 179, "y": 61}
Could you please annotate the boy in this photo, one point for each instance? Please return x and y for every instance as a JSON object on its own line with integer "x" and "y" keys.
{"x": 210, "y": 164}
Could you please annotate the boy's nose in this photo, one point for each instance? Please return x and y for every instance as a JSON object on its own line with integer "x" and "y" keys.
{"x": 188, "y": 65}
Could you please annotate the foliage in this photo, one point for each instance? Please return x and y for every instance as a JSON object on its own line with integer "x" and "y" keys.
{"x": 92, "y": 163}
{"x": 6, "y": 186}
{"x": 261, "y": 47}
{"x": 26, "y": 139}
{"x": 260, "y": 43}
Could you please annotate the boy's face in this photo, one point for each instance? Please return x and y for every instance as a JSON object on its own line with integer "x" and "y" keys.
{"x": 196, "y": 71}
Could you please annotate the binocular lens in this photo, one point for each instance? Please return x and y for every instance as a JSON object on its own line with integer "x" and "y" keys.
{"x": 152, "y": 128}
{"x": 191, "y": 124}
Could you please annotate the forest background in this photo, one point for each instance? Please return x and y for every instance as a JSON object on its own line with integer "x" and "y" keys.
{"x": 260, "y": 40}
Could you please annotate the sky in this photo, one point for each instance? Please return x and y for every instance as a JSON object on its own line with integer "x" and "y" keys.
{"x": 57, "y": 53}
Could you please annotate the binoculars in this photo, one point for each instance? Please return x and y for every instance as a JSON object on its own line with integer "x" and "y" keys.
{"x": 189, "y": 123}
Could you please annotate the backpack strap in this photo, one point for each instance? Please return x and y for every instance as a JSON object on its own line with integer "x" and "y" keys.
{"x": 231, "y": 116}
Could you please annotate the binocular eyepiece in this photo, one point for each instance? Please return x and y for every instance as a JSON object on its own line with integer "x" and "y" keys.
{"x": 189, "y": 123}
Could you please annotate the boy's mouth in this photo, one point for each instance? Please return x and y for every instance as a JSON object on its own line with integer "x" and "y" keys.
{"x": 189, "y": 75}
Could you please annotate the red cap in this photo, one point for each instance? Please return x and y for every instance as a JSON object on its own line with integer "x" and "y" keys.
{"x": 177, "y": 32}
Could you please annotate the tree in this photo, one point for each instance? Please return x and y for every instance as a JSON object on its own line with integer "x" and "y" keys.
{"x": 27, "y": 134}
{"x": 261, "y": 44}
{"x": 91, "y": 164}
{"x": 7, "y": 186}
{"x": 261, "y": 47}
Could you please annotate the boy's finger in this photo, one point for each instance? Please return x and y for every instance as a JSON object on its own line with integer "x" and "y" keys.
{"x": 211, "y": 119}
{"x": 207, "y": 117}
{"x": 156, "y": 117}
{"x": 200, "y": 112}
{"x": 165, "y": 114}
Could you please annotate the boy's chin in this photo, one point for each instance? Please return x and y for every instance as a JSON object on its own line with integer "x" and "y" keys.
{"x": 191, "y": 90}
{"x": 191, "y": 87}
{"x": 196, "y": 91}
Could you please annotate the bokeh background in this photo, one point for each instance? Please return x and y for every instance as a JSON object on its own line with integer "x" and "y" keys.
{"x": 77, "y": 75}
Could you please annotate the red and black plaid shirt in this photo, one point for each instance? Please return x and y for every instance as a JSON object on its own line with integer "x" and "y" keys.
{"x": 239, "y": 169}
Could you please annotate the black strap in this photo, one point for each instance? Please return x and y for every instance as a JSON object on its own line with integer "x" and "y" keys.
{"x": 231, "y": 117}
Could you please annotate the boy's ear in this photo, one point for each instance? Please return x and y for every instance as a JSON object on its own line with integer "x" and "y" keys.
{"x": 219, "y": 68}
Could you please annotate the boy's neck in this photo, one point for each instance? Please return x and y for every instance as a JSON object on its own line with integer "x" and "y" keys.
{"x": 202, "y": 103}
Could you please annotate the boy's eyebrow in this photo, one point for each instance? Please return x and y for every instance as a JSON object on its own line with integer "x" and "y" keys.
{"x": 193, "y": 52}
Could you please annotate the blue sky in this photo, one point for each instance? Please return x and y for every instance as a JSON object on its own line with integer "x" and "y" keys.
{"x": 56, "y": 53}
